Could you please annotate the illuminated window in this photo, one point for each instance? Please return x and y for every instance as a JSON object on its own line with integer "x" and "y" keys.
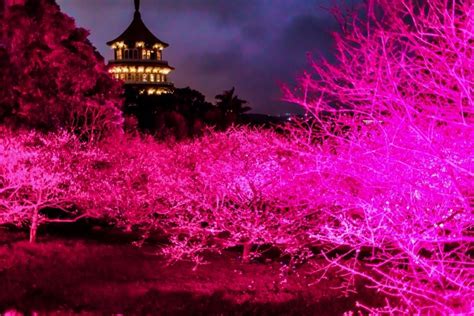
{"x": 152, "y": 77}
{"x": 119, "y": 54}
{"x": 146, "y": 54}
{"x": 122, "y": 76}
{"x": 145, "y": 77}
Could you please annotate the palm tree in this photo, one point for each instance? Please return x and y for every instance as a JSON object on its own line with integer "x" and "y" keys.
{"x": 228, "y": 103}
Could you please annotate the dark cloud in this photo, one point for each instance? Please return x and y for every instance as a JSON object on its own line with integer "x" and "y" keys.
{"x": 216, "y": 44}
{"x": 225, "y": 12}
{"x": 307, "y": 32}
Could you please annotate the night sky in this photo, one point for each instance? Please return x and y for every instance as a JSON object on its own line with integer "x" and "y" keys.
{"x": 217, "y": 44}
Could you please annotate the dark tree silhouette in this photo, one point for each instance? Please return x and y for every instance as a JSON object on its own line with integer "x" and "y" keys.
{"x": 230, "y": 103}
{"x": 231, "y": 106}
{"x": 183, "y": 113}
{"x": 180, "y": 114}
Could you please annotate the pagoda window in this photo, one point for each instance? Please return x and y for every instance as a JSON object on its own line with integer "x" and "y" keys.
{"x": 146, "y": 53}
{"x": 122, "y": 76}
{"x": 153, "y": 55}
{"x": 152, "y": 77}
{"x": 135, "y": 54}
{"x": 129, "y": 76}
{"x": 145, "y": 77}
{"x": 159, "y": 55}
{"x": 118, "y": 53}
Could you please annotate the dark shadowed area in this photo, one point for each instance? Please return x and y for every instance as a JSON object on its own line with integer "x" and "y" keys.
{"x": 67, "y": 274}
{"x": 216, "y": 44}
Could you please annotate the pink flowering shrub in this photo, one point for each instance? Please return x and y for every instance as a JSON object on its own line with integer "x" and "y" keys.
{"x": 225, "y": 189}
{"x": 241, "y": 187}
{"x": 121, "y": 179}
{"x": 237, "y": 188}
{"x": 136, "y": 182}
{"x": 394, "y": 118}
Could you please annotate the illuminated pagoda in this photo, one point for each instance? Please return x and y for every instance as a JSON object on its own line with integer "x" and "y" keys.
{"x": 138, "y": 58}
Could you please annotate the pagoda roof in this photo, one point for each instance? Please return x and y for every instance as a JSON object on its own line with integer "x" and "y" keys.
{"x": 137, "y": 32}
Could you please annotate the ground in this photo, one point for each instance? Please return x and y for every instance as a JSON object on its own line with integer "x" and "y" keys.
{"x": 104, "y": 273}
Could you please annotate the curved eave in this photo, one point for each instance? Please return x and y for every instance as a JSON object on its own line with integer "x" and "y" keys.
{"x": 138, "y": 32}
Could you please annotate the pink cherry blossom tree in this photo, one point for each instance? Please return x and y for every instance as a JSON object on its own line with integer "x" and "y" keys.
{"x": 44, "y": 171}
{"x": 395, "y": 114}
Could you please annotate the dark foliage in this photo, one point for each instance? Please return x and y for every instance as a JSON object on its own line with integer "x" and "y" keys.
{"x": 183, "y": 113}
{"x": 52, "y": 76}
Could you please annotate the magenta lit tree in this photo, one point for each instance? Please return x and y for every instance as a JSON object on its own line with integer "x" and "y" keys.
{"x": 56, "y": 78}
{"x": 396, "y": 115}
{"x": 242, "y": 187}
{"x": 45, "y": 171}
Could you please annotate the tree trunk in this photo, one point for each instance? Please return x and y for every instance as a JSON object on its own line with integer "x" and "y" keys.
{"x": 34, "y": 226}
{"x": 246, "y": 252}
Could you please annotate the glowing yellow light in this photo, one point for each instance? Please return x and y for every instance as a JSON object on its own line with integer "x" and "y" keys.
{"x": 140, "y": 44}
{"x": 133, "y": 69}
{"x": 148, "y": 69}
{"x": 141, "y": 69}
{"x": 119, "y": 45}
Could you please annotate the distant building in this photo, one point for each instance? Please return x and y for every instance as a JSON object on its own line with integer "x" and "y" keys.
{"x": 138, "y": 58}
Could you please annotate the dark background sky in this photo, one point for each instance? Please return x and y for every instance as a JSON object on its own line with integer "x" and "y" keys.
{"x": 216, "y": 44}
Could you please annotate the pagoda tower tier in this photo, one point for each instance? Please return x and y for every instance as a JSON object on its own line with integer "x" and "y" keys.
{"x": 138, "y": 58}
